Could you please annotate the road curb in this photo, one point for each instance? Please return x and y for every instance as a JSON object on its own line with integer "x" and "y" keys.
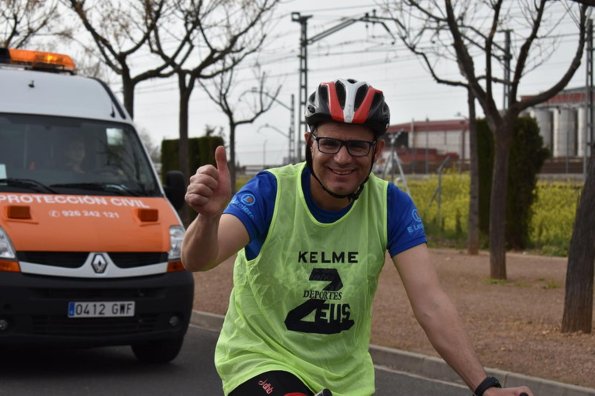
{"x": 430, "y": 366}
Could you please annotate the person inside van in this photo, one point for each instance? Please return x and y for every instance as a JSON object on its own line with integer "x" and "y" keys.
{"x": 74, "y": 155}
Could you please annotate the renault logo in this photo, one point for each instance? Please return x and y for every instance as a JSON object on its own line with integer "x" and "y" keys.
{"x": 99, "y": 263}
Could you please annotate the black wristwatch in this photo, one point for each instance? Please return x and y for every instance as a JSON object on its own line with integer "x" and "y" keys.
{"x": 489, "y": 382}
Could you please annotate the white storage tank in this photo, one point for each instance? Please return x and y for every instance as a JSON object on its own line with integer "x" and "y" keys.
{"x": 565, "y": 128}
{"x": 544, "y": 119}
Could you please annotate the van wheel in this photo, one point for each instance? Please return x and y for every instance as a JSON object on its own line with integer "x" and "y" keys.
{"x": 159, "y": 351}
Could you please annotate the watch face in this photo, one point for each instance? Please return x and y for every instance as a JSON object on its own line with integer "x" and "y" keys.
{"x": 496, "y": 382}
{"x": 489, "y": 382}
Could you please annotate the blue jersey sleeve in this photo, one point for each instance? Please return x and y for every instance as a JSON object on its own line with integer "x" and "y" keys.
{"x": 405, "y": 227}
{"x": 254, "y": 205}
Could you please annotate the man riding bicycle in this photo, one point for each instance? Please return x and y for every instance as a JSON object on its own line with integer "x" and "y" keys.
{"x": 311, "y": 240}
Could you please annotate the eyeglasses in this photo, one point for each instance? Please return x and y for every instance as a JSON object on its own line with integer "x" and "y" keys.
{"x": 355, "y": 148}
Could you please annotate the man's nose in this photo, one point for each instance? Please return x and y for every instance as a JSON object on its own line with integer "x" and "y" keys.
{"x": 343, "y": 156}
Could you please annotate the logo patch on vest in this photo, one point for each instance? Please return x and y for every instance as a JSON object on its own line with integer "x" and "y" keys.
{"x": 325, "y": 312}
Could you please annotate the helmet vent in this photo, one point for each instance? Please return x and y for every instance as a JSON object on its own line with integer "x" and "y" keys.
{"x": 340, "y": 88}
{"x": 360, "y": 95}
{"x": 323, "y": 95}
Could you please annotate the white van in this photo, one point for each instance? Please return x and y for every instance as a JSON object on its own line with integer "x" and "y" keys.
{"x": 89, "y": 243}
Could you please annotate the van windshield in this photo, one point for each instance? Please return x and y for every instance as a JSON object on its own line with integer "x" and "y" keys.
{"x": 56, "y": 155}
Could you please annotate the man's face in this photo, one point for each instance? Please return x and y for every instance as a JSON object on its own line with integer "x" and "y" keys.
{"x": 342, "y": 172}
{"x": 75, "y": 151}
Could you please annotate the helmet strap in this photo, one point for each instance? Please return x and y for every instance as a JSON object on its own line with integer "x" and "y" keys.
{"x": 351, "y": 196}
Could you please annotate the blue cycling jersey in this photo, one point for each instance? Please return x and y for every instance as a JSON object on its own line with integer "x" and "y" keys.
{"x": 255, "y": 201}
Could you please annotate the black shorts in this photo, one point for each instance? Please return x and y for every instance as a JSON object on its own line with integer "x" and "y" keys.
{"x": 273, "y": 383}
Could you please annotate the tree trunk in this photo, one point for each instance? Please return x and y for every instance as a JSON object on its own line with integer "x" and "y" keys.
{"x": 183, "y": 127}
{"x": 502, "y": 139}
{"x": 232, "y": 155}
{"x": 473, "y": 223}
{"x": 578, "y": 301}
{"x": 128, "y": 93}
{"x": 183, "y": 142}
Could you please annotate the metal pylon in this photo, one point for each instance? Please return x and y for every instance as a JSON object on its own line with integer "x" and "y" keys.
{"x": 393, "y": 160}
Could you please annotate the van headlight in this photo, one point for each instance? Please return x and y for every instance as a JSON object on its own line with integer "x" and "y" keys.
{"x": 176, "y": 235}
{"x": 6, "y": 248}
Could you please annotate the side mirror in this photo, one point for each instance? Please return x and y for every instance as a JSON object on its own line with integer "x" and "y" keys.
{"x": 175, "y": 188}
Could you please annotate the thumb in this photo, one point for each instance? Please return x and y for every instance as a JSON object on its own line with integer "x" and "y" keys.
{"x": 221, "y": 160}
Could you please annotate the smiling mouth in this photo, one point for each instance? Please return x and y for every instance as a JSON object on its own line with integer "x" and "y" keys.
{"x": 340, "y": 172}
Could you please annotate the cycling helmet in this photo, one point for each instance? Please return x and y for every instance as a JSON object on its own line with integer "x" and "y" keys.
{"x": 348, "y": 101}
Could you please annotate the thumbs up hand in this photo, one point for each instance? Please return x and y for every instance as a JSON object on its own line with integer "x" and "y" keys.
{"x": 209, "y": 190}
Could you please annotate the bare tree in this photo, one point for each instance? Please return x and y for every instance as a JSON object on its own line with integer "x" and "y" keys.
{"x": 218, "y": 36}
{"x": 473, "y": 221}
{"x": 578, "y": 302}
{"x": 152, "y": 148}
{"x": 470, "y": 28}
{"x": 120, "y": 32}
{"x": 21, "y": 21}
{"x": 240, "y": 109}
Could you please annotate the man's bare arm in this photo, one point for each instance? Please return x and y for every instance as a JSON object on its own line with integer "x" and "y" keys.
{"x": 440, "y": 320}
{"x": 212, "y": 237}
{"x": 209, "y": 241}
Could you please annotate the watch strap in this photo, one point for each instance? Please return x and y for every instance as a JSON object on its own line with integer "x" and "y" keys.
{"x": 487, "y": 383}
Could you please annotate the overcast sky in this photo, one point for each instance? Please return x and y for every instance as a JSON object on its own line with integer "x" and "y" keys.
{"x": 358, "y": 51}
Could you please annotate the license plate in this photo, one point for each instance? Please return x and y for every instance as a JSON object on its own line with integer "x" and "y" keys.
{"x": 100, "y": 309}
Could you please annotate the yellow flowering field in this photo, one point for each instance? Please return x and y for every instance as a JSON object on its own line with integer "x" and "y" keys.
{"x": 445, "y": 214}
{"x": 553, "y": 216}
{"x": 444, "y": 208}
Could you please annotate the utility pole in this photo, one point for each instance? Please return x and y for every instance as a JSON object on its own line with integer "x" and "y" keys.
{"x": 589, "y": 145}
{"x": 291, "y": 154}
{"x": 507, "y": 57}
{"x": 304, "y": 42}
{"x": 303, "y": 88}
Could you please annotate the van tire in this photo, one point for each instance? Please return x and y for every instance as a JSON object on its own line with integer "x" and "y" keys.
{"x": 158, "y": 351}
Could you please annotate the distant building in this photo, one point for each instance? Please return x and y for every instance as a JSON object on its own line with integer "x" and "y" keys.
{"x": 422, "y": 145}
{"x": 562, "y": 123}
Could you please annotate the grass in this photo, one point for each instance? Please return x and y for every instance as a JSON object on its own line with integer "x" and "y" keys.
{"x": 498, "y": 282}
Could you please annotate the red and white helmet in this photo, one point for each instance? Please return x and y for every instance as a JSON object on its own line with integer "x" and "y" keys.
{"x": 351, "y": 102}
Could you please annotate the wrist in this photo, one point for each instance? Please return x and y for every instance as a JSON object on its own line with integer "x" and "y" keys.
{"x": 487, "y": 383}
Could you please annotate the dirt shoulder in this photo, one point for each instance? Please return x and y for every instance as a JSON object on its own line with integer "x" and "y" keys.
{"x": 514, "y": 325}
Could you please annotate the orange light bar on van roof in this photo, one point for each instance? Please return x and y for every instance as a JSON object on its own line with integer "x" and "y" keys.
{"x": 41, "y": 59}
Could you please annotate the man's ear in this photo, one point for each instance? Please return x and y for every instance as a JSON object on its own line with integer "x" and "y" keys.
{"x": 307, "y": 137}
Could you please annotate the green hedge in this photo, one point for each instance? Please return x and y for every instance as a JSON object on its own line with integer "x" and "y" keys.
{"x": 527, "y": 156}
{"x": 201, "y": 151}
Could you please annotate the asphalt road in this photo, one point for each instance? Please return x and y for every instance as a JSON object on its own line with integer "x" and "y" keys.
{"x": 115, "y": 371}
{"x": 111, "y": 371}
